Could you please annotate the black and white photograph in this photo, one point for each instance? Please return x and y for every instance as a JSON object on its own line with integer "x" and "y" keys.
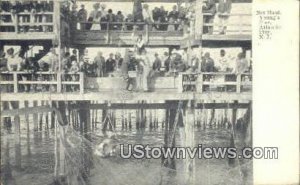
{"x": 128, "y": 92}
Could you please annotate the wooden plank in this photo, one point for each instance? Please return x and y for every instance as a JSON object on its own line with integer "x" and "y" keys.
{"x": 15, "y": 79}
{"x": 38, "y": 82}
{"x": 155, "y": 1}
{"x": 161, "y": 106}
{"x": 47, "y": 109}
{"x": 17, "y": 138}
{"x": 59, "y": 85}
{"x": 81, "y": 82}
{"x": 117, "y": 95}
{"x": 27, "y": 36}
{"x": 238, "y": 83}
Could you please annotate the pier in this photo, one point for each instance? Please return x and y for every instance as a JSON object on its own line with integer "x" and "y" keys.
{"x": 68, "y": 103}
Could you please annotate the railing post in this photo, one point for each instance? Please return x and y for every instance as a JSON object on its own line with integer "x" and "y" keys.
{"x": 238, "y": 83}
{"x": 15, "y": 78}
{"x": 16, "y": 20}
{"x": 199, "y": 84}
{"x": 81, "y": 82}
{"x": 180, "y": 83}
{"x": 58, "y": 77}
{"x": 198, "y": 26}
{"x": 107, "y": 33}
{"x": 147, "y": 32}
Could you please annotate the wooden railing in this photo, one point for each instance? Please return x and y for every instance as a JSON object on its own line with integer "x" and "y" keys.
{"x": 51, "y": 81}
{"x": 241, "y": 25}
{"x": 187, "y": 82}
{"x": 150, "y": 27}
{"x": 27, "y": 19}
{"x": 217, "y": 81}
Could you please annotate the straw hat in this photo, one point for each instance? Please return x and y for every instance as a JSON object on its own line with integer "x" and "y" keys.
{"x": 103, "y": 6}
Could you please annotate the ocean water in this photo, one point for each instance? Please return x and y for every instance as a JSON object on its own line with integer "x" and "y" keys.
{"x": 38, "y": 159}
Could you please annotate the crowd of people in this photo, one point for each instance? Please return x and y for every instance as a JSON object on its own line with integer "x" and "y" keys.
{"x": 179, "y": 18}
{"x": 33, "y": 12}
{"x": 101, "y": 18}
{"x": 136, "y": 62}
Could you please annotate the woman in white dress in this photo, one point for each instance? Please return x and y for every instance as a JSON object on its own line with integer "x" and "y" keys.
{"x": 96, "y": 22}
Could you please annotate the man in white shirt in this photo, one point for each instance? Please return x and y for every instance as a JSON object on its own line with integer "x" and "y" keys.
{"x": 14, "y": 62}
{"x": 140, "y": 44}
{"x": 223, "y": 64}
{"x": 147, "y": 15}
{"x": 52, "y": 61}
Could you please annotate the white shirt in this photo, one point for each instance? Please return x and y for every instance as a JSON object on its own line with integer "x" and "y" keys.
{"x": 140, "y": 43}
{"x": 14, "y": 61}
{"x": 147, "y": 14}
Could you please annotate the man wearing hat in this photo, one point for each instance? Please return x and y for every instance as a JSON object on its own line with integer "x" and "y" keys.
{"x": 103, "y": 10}
{"x": 93, "y": 15}
{"x": 147, "y": 15}
{"x": 82, "y": 17}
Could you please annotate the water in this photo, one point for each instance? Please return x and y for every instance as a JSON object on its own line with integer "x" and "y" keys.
{"x": 38, "y": 158}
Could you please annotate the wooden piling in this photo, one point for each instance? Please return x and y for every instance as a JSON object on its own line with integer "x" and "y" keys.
{"x": 85, "y": 121}
{"x": 17, "y": 139}
{"x": 6, "y": 172}
{"x": 47, "y": 118}
{"x": 35, "y": 118}
{"x": 188, "y": 141}
{"x": 130, "y": 122}
{"x": 53, "y": 105}
{"x": 26, "y": 105}
{"x": 41, "y": 118}
{"x": 6, "y": 120}
{"x": 234, "y": 113}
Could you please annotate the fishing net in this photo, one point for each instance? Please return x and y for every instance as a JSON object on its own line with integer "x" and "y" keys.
{"x": 82, "y": 165}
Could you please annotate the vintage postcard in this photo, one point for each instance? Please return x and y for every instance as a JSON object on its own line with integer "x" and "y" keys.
{"x": 149, "y": 92}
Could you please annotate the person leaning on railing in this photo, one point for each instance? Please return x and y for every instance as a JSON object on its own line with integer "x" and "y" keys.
{"x": 129, "y": 20}
{"x": 173, "y": 16}
{"x": 30, "y": 66}
{"x": 14, "y": 62}
{"x": 119, "y": 18}
{"x": 207, "y": 65}
{"x": 241, "y": 65}
{"x": 82, "y": 17}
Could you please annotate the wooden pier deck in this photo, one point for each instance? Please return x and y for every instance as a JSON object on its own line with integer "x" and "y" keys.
{"x": 158, "y": 95}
